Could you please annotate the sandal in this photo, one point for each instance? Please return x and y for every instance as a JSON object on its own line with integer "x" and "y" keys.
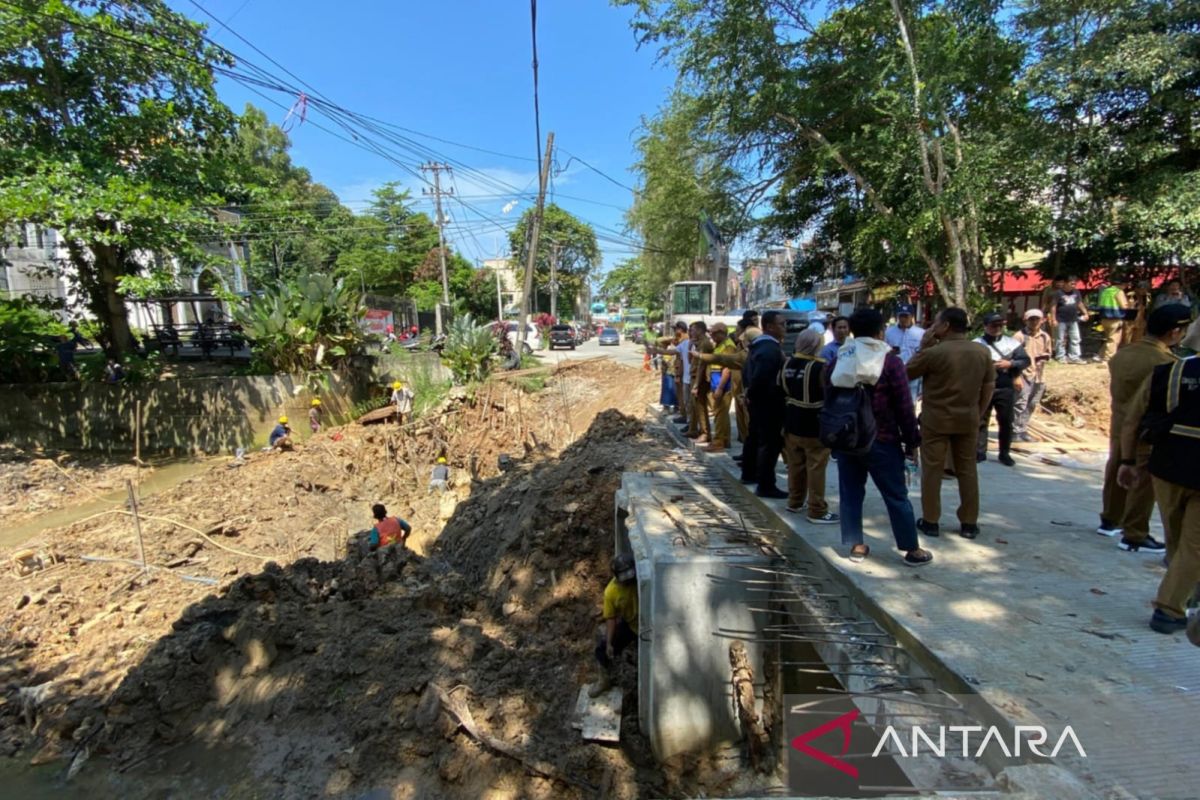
{"x": 918, "y": 557}
{"x": 859, "y": 553}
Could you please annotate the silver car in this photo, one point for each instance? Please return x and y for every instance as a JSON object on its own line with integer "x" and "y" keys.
{"x": 610, "y": 336}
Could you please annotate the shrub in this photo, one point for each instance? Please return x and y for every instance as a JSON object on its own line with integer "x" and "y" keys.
{"x": 27, "y": 337}
{"x": 311, "y": 324}
{"x": 468, "y": 349}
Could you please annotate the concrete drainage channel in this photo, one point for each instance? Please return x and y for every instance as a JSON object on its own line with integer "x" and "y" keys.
{"x": 718, "y": 574}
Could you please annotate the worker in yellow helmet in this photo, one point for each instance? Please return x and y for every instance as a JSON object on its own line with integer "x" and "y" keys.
{"x": 440, "y": 479}
{"x": 402, "y": 399}
{"x": 314, "y": 416}
{"x": 281, "y": 436}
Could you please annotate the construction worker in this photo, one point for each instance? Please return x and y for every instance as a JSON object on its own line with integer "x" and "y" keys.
{"x": 439, "y": 479}
{"x": 721, "y": 379}
{"x": 620, "y": 626}
{"x": 1127, "y": 511}
{"x": 281, "y": 436}
{"x": 1112, "y": 318}
{"x": 402, "y": 399}
{"x": 1166, "y": 411}
{"x": 314, "y": 416}
{"x": 387, "y": 530}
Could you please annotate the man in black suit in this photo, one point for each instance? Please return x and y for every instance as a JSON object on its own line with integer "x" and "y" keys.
{"x": 767, "y": 403}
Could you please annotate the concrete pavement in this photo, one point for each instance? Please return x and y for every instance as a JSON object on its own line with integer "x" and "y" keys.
{"x": 626, "y": 353}
{"x": 1042, "y": 617}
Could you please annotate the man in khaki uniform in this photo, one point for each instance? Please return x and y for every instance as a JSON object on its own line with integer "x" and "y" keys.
{"x": 722, "y": 395}
{"x": 734, "y": 360}
{"x": 1167, "y": 408}
{"x": 958, "y": 382}
{"x": 1128, "y": 512}
{"x": 699, "y": 426}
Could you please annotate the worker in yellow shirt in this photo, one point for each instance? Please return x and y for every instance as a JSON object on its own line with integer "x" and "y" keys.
{"x": 620, "y": 620}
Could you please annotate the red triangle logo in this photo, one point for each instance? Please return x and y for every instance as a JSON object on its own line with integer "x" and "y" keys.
{"x": 841, "y": 723}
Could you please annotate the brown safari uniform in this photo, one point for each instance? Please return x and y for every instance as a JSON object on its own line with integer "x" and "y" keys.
{"x": 958, "y": 379}
{"x": 1129, "y": 370}
{"x": 698, "y": 422}
{"x": 720, "y": 406}
{"x": 734, "y": 360}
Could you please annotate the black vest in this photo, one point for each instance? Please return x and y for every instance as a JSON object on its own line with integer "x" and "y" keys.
{"x": 1175, "y": 391}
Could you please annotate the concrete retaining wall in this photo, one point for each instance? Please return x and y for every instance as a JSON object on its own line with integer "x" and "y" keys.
{"x": 188, "y": 415}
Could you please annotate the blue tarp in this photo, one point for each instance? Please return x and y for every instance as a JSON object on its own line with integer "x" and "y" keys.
{"x": 802, "y": 304}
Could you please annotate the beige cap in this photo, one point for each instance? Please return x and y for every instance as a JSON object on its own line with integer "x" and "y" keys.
{"x": 1034, "y": 312}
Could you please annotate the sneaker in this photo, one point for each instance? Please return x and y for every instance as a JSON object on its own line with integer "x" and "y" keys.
{"x": 1149, "y": 545}
{"x": 1007, "y": 460}
{"x": 828, "y": 518}
{"x": 680, "y": 420}
{"x": 1107, "y": 528}
{"x": 1162, "y": 622}
{"x": 928, "y": 528}
{"x": 969, "y": 531}
{"x": 798, "y": 509}
{"x": 771, "y": 493}
{"x": 1025, "y": 437}
{"x": 918, "y": 557}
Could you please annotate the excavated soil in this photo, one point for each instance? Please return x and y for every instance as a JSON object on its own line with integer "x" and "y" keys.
{"x": 336, "y": 672}
{"x": 1077, "y": 395}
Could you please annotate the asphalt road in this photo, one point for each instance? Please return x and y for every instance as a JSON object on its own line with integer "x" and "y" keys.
{"x": 626, "y": 353}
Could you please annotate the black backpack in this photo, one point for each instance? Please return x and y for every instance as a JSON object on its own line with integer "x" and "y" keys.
{"x": 847, "y": 420}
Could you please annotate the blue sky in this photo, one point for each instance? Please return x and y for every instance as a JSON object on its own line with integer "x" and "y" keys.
{"x": 461, "y": 71}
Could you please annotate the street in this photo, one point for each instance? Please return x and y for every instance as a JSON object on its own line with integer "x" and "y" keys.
{"x": 626, "y": 353}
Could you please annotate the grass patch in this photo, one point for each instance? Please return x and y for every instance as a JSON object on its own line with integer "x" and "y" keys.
{"x": 530, "y": 384}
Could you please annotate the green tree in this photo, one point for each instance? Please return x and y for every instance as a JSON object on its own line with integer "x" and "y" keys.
{"x": 390, "y": 243}
{"x": 293, "y": 225}
{"x": 891, "y": 128}
{"x": 564, "y": 237}
{"x": 629, "y": 282}
{"x": 684, "y": 179}
{"x": 1116, "y": 84}
{"x": 110, "y": 132}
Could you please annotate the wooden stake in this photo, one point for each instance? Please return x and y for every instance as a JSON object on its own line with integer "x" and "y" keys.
{"x": 137, "y": 524}
{"x": 137, "y": 443}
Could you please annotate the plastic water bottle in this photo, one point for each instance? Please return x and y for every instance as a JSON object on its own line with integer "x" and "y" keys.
{"x": 910, "y": 473}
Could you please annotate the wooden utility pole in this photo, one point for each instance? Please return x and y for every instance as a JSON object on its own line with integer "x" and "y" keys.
{"x": 437, "y": 169}
{"x": 554, "y": 280}
{"x": 535, "y": 231}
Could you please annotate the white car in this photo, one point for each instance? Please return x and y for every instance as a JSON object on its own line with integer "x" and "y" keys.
{"x": 533, "y": 340}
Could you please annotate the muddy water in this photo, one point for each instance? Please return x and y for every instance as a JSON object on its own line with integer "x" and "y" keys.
{"x": 193, "y": 771}
{"x": 164, "y": 476}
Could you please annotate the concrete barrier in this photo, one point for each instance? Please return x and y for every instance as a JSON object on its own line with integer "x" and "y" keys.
{"x": 690, "y": 585}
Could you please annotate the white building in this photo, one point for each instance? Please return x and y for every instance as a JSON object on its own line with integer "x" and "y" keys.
{"x": 512, "y": 290}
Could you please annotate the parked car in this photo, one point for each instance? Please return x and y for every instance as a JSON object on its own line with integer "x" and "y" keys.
{"x": 533, "y": 340}
{"x": 610, "y": 336}
{"x": 562, "y": 336}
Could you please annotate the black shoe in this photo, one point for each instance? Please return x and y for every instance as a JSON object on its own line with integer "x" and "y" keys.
{"x": 980, "y": 458}
{"x": 1149, "y": 545}
{"x": 969, "y": 531}
{"x": 1007, "y": 460}
{"x": 918, "y": 557}
{"x": 749, "y": 479}
{"x": 681, "y": 420}
{"x": 1107, "y": 528}
{"x": 928, "y": 528}
{"x": 1162, "y": 622}
{"x": 771, "y": 493}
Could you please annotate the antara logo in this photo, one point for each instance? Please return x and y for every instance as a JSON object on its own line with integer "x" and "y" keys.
{"x": 843, "y": 724}
{"x": 1033, "y": 736}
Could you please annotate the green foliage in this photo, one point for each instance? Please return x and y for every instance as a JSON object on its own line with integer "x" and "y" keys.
{"x": 138, "y": 369}
{"x": 429, "y": 391}
{"x": 468, "y": 350}
{"x": 684, "y": 179}
{"x": 107, "y": 141}
{"x": 564, "y": 235}
{"x": 311, "y": 323}
{"x": 635, "y": 285}
{"x": 27, "y": 337}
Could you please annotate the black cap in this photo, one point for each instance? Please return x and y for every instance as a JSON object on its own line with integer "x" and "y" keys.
{"x": 680, "y": 325}
{"x": 1165, "y": 319}
{"x": 905, "y": 308}
{"x": 994, "y": 316}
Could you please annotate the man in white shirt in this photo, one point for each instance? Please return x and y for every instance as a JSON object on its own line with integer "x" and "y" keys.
{"x": 905, "y": 340}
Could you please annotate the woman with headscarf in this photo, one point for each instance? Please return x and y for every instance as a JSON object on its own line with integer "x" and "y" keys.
{"x": 802, "y": 382}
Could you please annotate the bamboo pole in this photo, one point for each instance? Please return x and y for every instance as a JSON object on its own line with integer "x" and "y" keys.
{"x": 137, "y": 524}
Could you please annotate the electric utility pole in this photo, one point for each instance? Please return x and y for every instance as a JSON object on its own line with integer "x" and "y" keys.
{"x": 554, "y": 281}
{"x": 437, "y": 169}
{"x": 535, "y": 231}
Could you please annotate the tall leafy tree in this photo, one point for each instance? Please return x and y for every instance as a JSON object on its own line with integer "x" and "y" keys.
{"x": 390, "y": 243}
{"x": 1116, "y": 85}
{"x": 629, "y": 282}
{"x": 685, "y": 178}
{"x": 110, "y": 132}
{"x": 565, "y": 237}
{"x": 889, "y": 128}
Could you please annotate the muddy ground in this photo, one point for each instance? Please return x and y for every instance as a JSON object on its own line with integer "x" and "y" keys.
{"x": 34, "y": 482}
{"x": 334, "y": 674}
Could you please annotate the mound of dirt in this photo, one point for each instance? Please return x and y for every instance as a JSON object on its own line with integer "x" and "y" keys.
{"x": 329, "y": 674}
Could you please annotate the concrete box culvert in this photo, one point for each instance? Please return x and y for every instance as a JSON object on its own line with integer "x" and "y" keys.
{"x": 691, "y": 584}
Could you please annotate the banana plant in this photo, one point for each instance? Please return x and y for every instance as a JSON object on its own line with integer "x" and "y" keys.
{"x": 310, "y": 324}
